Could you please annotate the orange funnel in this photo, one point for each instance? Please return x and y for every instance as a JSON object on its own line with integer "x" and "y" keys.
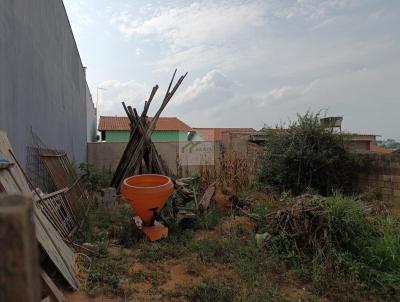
{"x": 147, "y": 195}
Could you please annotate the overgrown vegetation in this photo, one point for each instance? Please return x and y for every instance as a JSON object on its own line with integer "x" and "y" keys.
{"x": 102, "y": 228}
{"x": 231, "y": 171}
{"x": 211, "y": 292}
{"x": 306, "y": 156}
{"x": 338, "y": 246}
{"x": 93, "y": 179}
{"x": 277, "y": 246}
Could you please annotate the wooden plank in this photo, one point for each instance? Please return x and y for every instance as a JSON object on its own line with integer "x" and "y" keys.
{"x": 56, "y": 294}
{"x": 55, "y": 193}
{"x": 20, "y": 180}
{"x": 19, "y": 263}
{"x": 6, "y": 165}
{"x": 60, "y": 254}
{"x": 208, "y": 194}
{"x": 9, "y": 183}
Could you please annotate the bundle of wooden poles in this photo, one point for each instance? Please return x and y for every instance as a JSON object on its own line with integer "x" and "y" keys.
{"x": 140, "y": 155}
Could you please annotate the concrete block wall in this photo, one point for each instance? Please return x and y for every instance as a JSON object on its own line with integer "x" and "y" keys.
{"x": 106, "y": 155}
{"x": 381, "y": 175}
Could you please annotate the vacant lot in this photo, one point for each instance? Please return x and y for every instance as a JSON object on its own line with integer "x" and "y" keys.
{"x": 221, "y": 258}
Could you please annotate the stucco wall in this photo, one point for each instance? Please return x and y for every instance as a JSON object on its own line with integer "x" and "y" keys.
{"x": 91, "y": 118}
{"x": 156, "y": 136}
{"x": 106, "y": 155}
{"x": 117, "y": 136}
{"x": 42, "y": 81}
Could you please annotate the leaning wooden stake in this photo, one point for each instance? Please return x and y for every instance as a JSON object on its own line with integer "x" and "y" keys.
{"x": 19, "y": 263}
{"x": 140, "y": 151}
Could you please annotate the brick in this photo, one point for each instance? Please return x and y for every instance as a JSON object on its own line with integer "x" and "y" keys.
{"x": 396, "y": 193}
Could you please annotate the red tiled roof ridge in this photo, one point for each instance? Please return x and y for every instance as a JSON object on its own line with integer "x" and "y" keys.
{"x": 122, "y": 123}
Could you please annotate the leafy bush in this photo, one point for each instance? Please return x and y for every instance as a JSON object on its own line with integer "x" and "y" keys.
{"x": 306, "y": 155}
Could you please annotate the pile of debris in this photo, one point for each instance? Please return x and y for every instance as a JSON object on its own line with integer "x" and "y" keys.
{"x": 312, "y": 224}
{"x": 140, "y": 155}
{"x": 187, "y": 205}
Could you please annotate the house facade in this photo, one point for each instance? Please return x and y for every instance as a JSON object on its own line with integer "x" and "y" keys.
{"x": 168, "y": 129}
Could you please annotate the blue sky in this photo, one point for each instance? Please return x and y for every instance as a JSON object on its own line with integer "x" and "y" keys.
{"x": 250, "y": 63}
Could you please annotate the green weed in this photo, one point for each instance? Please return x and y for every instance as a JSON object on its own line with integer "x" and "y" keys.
{"x": 212, "y": 292}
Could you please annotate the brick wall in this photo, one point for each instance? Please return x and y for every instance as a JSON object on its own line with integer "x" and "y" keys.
{"x": 381, "y": 175}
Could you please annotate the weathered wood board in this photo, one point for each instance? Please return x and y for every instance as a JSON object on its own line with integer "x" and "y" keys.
{"x": 13, "y": 181}
{"x": 60, "y": 253}
{"x": 12, "y": 178}
{"x": 57, "y": 295}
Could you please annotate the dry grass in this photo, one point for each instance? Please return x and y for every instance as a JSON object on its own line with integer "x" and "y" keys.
{"x": 232, "y": 171}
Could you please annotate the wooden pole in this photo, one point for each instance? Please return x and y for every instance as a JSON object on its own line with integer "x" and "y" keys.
{"x": 19, "y": 261}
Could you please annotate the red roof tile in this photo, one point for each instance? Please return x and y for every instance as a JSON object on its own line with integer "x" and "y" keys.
{"x": 122, "y": 123}
{"x": 215, "y": 134}
{"x": 379, "y": 149}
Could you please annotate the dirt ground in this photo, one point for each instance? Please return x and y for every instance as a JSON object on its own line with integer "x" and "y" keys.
{"x": 220, "y": 262}
{"x": 172, "y": 279}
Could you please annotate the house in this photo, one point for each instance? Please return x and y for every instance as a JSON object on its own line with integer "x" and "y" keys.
{"x": 380, "y": 149}
{"x": 217, "y": 134}
{"x": 359, "y": 143}
{"x": 168, "y": 129}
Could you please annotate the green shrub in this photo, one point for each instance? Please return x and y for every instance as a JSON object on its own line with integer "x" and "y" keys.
{"x": 306, "y": 155}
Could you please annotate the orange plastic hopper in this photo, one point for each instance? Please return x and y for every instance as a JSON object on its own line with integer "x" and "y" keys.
{"x": 147, "y": 195}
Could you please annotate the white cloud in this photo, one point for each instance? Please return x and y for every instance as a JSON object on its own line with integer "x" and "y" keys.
{"x": 79, "y": 16}
{"x": 139, "y": 51}
{"x": 285, "y": 93}
{"x": 131, "y": 92}
{"x": 208, "y": 91}
{"x": 196, "y": 23}
{"x": 311, "y": 9}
